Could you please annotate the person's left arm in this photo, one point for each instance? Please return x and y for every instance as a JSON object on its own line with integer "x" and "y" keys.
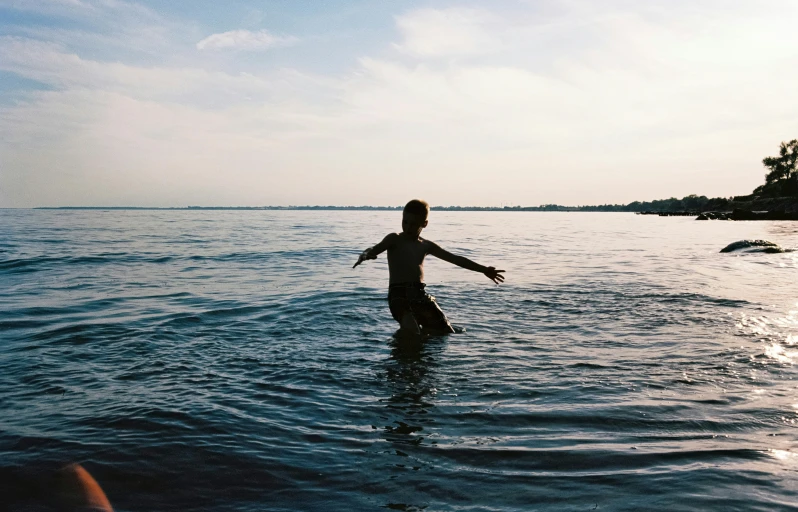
{"x": 461, "y": 261}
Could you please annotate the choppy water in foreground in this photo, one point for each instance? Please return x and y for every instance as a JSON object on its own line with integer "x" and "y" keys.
{"x": 217, "y": 360}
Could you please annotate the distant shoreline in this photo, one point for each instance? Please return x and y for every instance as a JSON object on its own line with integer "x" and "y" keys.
{"x": 689, "y": 205}
{"x": 544, "y": 208}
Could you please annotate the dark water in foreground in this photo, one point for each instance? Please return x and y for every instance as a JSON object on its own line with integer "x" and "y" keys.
{"x": 233, "y": 361}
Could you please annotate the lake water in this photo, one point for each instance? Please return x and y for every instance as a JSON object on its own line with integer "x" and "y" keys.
{"x": 233, "y": 360}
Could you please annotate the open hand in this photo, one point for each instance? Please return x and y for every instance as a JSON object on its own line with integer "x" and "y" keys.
{"x": 494, "y": 275}
{"x": 365, "y": 255}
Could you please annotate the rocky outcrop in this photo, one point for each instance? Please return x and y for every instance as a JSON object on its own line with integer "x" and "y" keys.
{"x": 738, "y": 208}
{"x": 714, "y": 216}
{"x": 741, "y": 214}
{"x": 670, "y": 214}
{"x": 755, "y": 246}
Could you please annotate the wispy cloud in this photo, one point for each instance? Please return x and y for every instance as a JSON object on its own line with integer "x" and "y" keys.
{"x": 114, "y": 29}
{"x": 53, "y": 65}
{"x": 245, "y": 40}
{"x": 117, "y": 11}
{"x": 447, "y": 32}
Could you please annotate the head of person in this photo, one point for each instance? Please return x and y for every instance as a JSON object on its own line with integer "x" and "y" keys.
{"x": 414, "y": 217}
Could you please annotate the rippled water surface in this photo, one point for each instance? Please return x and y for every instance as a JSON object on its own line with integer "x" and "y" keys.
{"x": 233, "y": 360}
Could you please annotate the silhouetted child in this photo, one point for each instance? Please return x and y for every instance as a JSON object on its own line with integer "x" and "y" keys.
{"x": 410, "y": 305}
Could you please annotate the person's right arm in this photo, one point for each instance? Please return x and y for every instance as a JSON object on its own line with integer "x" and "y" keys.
{"x": 372, "y": 252}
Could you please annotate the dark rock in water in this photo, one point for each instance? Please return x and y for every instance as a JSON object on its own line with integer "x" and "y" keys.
{"x": 755, "y": 246}
{"x": 676, "y": 214}
{"x": 714, "y": 216}
{"x": 740, "y": 214}
{"x": 669, "y": 214}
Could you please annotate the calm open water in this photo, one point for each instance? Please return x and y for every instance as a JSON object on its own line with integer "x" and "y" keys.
{"x": 223, "y": 360}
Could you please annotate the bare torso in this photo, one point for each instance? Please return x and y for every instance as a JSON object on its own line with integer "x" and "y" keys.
{"x": 406, "y": 259}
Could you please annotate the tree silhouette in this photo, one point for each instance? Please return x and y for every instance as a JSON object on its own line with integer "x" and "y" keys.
{"x": 784, "y": 166}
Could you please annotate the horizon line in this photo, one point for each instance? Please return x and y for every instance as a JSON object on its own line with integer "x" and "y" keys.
{"x": 309, "y": 207}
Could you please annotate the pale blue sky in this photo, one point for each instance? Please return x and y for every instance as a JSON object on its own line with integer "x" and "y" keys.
{"x": 110, "y": 102}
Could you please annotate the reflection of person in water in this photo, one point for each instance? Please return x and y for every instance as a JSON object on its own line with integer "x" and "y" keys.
{"x": 412, "y": 387}
{"x": 410, "y": 413}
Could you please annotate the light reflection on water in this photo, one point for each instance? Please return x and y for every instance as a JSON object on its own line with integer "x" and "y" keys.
{"x": 777, "y": 333}
{"x": 784, "y": 455}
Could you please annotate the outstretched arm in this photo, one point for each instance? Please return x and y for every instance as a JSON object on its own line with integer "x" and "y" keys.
{"x": 461, "y": 261}
{"x": 372, "y": 252}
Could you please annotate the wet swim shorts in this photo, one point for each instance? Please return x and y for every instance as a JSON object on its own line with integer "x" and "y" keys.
{"x": 411, "y": 297}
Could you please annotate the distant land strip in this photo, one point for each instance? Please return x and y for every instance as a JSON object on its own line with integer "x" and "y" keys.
{"x": 659, "y": 205}
{"x": 691, "y": 205}
{"x": 542, "y": 208}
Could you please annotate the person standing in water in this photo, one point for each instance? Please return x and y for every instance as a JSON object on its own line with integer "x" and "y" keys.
{"x": 409, "y": 303}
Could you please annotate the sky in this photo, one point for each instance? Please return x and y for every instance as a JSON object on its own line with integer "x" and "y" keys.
{"x": 374, "y": 102}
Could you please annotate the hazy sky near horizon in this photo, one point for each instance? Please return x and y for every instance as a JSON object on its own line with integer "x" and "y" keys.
{"x": 364, "y": 102}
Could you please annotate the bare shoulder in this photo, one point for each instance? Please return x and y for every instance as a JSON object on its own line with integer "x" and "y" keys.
{"x": 391, "y": 238}
{"x": 389, "y": 241}
{"x": 429, "y": 245}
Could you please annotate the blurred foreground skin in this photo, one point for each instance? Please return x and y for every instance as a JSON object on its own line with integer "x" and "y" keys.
{"x": 79, "y": 491}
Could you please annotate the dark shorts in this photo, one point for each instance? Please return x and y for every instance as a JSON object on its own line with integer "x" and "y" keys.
{"x": 411, "y": 297}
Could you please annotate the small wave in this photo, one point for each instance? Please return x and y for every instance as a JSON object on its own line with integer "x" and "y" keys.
{"x": 40, "y": 263}
{"x": 524, "y": 460}
{"x": 84, "y": 333}
{"x": 46, "y": 262}
{"x": 24, "y": 264}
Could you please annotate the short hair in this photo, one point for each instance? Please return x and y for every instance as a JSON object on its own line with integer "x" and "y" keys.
{"x": 417, "y": 207}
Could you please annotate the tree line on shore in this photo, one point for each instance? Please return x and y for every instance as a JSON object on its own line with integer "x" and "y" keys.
{"x": 781, "y": 182}
{"x": 780, "y": 187}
